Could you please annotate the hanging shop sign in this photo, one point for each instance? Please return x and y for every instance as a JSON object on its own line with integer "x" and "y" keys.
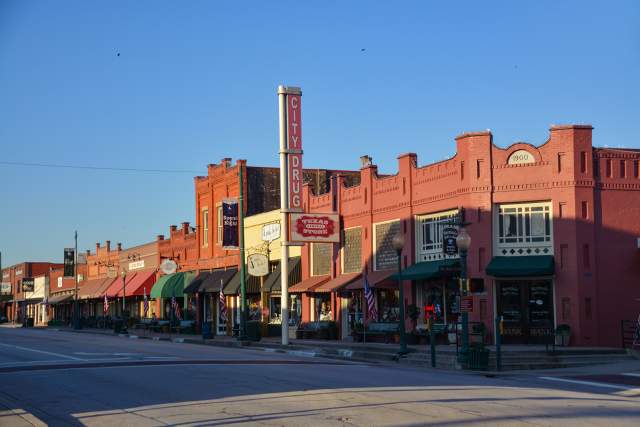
{"x": 69, "y": 262}
{"x": 466, "y": 304}
{"x": 294, "y": 147}
{"x": 271, "y": 232}
{"x": 449, "y": 245}
{"x": 230, "y": 224}
{"x": 168, "y": 266}
{"x": 313, "y": 227}
{"x": 28, "y": 284}
{"x": 5, "y": 288}
{"x": 258, "y": 265}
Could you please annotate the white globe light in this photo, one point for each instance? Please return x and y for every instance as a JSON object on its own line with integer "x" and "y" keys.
{"x": 463, "y": 240}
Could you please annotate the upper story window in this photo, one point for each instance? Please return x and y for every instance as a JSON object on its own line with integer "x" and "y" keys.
{"x": 524, "y": 229}
{"x": 429, "y": 234}
{"x": 321, "y": 259}
{"x": 385, "y": 255}
{"x": 352, "y": 250}
{"x": 220, "y": 224}
{"x": 205, "y": 227}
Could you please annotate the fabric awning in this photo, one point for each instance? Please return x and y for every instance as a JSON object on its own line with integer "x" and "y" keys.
{"x": 339, "y": 282}
{"x": 176, "y": 287}
{"x": 195, "y": 284}
{"x": 141, "y": 283}
{"x": 218, "y": 280}
{"x": 429, "y": 269}
{"x": 272, "y": 283}
{"x": 95, "y": 288}
{"x": 58, "y": 299}
{"x": 116, "y": 286}
{"x": 521, "y": 266}
{"x": 163, "y": 285}
{"x": 309, "y": 284}
{"x": 377, "y": 279}
{"x": 252, "y": 285}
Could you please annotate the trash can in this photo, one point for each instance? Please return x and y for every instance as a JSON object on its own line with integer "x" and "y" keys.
{"x": 206, "y": 331}
{"x": 118, "y": 326}
{"x": 478, "y": 358}
{"x": 29, "y": 322}
{"x": 253, "y": 330}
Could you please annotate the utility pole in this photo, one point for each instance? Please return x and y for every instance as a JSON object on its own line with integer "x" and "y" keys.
{"x": 76, "y": 314}
{"x": 243, "y": 274}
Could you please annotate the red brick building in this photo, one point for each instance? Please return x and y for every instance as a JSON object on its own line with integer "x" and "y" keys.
{"x": 17, "y": 305}
{"x": 554, "y": 233}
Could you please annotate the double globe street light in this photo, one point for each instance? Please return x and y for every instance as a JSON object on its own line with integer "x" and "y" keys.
{"x": 463, "y": 241}
{"x": 398, "y": 245}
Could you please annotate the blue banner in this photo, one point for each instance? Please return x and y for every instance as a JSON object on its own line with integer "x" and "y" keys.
{"x": 230, "y": 224}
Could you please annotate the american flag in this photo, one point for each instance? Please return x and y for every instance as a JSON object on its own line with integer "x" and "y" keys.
{"x": 146, "y": 301}
{"x": 223, "y": 307}
{"x": 176, "y": 308}
{"x": 372, "y": 313}
{"x": 106, "y": 304}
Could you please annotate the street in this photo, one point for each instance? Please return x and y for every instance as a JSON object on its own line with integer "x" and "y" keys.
{"x": 63, "y": 378}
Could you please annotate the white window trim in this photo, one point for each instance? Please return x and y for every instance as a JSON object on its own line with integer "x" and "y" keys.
{"x": 205, "y": 227}
{"x": 219, "y": 224}
{"x": 375, "y": 240}
{"x": 497, "y": 246}
{"x": 418, "y": 218}
{"x": 343, "y": 248}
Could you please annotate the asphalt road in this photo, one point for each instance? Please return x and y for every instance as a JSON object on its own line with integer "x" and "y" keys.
{"x": 64, "y": 378}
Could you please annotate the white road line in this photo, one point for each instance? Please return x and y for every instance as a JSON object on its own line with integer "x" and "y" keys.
{"x": 591, "y": 383}
{"x": 64, "y": 356}
{"x": 629, "y": 374}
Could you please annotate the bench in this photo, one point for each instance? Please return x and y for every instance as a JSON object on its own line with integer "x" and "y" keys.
{"x": 324, "y": 329}
{"x": 185, "y": 326}
{"x": 159, "y": 326}
{"x": 145, "y": 324}
{"x": 377, "y": 331}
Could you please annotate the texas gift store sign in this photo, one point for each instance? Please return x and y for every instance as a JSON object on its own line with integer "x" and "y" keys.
{"x": 315, "y": 227}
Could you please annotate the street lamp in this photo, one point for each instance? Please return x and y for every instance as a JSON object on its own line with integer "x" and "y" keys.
{"x": 124, "y": 312}
{"x": 398, "y": 245}
{"x": 463, "y": 241}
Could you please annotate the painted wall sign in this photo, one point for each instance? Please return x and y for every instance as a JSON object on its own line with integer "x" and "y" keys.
{"x": 521, "y": 157}
{"x": 18, "y": 272}
{"x": 258, "y": 265}
{"x": 271, "y": 232}
{"x": 449, "y": 245}
{"x": 69, "y": 262}
{"x": 294, "y": 142}
{"x": 135, "y": 265}
{"x": 313, "y": 227}
{"x": 230, "y": 224}
{"x": 28, "y": 284}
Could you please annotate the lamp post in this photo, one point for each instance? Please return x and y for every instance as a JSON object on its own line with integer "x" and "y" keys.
{"x": 463, "y": 241}
{"x": 124, "y": 279}
{"x": 398, "y": 245}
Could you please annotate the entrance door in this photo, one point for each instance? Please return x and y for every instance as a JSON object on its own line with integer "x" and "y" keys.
{"x": 526, "y": 307}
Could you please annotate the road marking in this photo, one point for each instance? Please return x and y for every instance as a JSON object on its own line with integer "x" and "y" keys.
{"x": 591, "y": 383}
{"x": 64, "y": 356}
{"x": 629, "y": 374}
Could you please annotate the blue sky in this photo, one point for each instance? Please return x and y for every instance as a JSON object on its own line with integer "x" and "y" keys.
{"x": 196, "y": 82}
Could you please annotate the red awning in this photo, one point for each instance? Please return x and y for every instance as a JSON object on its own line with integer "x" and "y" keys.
{"x": 337, "y": 283}
{"x": 377, "y": 279}
{"x": 115, "y": 289}
{"x": 88, "y": 288}
{"x": 142, "y": 281}
{"x": 308, "y": 284}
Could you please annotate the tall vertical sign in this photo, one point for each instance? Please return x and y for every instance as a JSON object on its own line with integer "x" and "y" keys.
{"x": 289, "y": 103}
{"x": 294, "y": 154}
{"x": 69, "y": 262}
{"x": 230, "y": 224}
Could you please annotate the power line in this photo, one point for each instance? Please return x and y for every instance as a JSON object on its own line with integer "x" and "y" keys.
{"x": 100, "y": 168}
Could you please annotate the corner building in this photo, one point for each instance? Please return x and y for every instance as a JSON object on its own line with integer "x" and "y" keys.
{"x": 554, "y": 232}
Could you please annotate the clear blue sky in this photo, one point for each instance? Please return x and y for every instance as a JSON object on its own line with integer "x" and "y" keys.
{"x": 196, "y": 82}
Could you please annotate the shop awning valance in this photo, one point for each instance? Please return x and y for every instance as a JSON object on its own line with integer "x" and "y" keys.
{"x": 116, "y": 286}
{"x": 377, "y": 279}
{"x": 338, "y": 283}
{"x": 93, "y": 289}
{"x": 307, "y": 285}
{"x": 141, "y": 283}
{"x": 252, "y": 285}
{"x": 176, "y": 288}
{"x": 195, "y": 284}
{"x": 272, "y": 281}
{"x": 521, "y": 266}
{"x": 58, "y": 299}
{"x": 429, "y": 269}
{"x": 217, "y": 280}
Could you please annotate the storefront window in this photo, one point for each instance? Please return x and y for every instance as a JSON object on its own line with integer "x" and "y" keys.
{"x": 429, "y": 234}
{"x": 525, "y": 229}
{"x": 388, "y": 308}
{"x": 323, "y": 307}
{"x": 275, "y": 309}
{"x": 255, "y": 312}
{"x": 295, "y": 310}
{"x": 438, "y": 300}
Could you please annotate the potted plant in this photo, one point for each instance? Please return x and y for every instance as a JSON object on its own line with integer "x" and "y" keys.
{"x": 563, "y": 335}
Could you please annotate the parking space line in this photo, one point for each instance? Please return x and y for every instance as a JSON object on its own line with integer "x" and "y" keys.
{"x": 589, "y": 383}
{"x": 630, "y": 374}
{"x": 64, "y": 356}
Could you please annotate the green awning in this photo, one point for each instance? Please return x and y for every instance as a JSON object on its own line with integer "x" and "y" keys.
{"x": 176, "y": 287}
{"x": 164, "y": 285}
{"x": 521, "y": 266}
{"x": 429, "y": 270}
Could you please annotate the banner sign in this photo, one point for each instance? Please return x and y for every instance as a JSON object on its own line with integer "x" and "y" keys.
{"x": 294, "y": 142}
{"x": 449, "y": 245}
{"x": 230, "y": 224}
{"x": 28, "y": 284}
{"x": 258, "y": 265}
{"x": 466, "y": 304}
{"x": 312, "y": 227}
{"x": 69, "y": 262}
{"x": 5, "y": 288}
